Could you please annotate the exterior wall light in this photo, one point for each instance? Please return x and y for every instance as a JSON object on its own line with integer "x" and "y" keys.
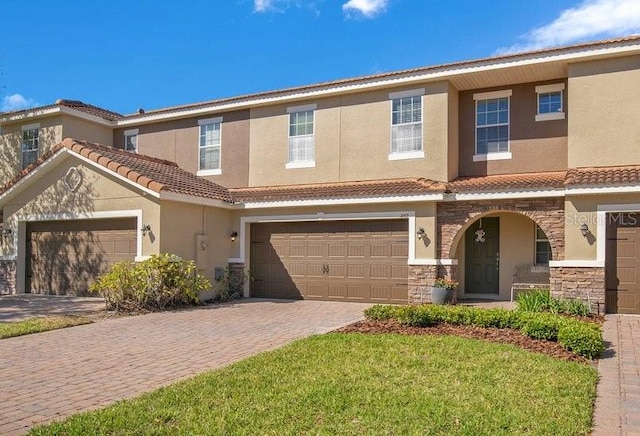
{"x": 233, "y": 235}
{"x": 146, "y": 228}
{"x": 421, "y": 233}
{"x": 584, "y": 229}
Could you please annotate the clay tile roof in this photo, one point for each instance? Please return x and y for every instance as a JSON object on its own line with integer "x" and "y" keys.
{"x": 72, "y": 104}
{"x": 152, "y": 173}
{"x": 392, "y": 74}
{"x": 342, "y": 190}
{"x": 509, "y": 182}
{"x": 603, "y": 176}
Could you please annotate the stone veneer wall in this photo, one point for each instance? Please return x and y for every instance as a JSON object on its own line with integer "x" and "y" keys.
{"x": 454, "y": 217}
{"x": 585, "y": 284}
{"x": 422, "y": 277}
{"x": 236, "y": 278}
{"x": 8, "y": 276}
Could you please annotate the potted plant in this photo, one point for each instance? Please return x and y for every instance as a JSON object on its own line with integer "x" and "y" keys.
{"x": 443, "y": 290}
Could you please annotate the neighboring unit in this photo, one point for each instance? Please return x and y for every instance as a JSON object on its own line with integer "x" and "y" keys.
{"x": 362, "y": 189}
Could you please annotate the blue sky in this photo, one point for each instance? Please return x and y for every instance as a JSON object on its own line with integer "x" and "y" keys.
{"x": 123, "y": 55}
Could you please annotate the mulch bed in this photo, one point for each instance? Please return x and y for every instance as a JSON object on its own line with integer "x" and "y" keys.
{"x": 503, "y": 336}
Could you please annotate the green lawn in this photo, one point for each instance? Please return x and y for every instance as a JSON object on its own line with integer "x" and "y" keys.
{"x": 364, "y": 384}
{"x": 37, "y": 325}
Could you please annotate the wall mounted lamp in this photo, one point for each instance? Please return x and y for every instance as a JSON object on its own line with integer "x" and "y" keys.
{"x": 233, "y": 235}
{"x": 421, "y": 233}
{"x": 584, "y": 229}
{"x": 146, "y": 228}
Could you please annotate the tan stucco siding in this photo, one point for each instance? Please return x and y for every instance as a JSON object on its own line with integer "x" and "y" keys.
{"x": 603, "y": 123}
{"x": 535, "y": 145}
{"x": 581, "y": 210}
{"x": 352, "y": 140}
{"x": 50, "y": 134}
{"x": 178, "y": 141}
{"x": 182, "y": 222}
{"x": 77, "y": 128}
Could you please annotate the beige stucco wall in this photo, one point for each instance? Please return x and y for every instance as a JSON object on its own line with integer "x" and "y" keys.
{"x": 181, "y": 222}
{"x": 77, "y": 128}
{"x": 50, "y": 134}
{"x": 534, "y": 145}
{"x": 583, "y": 210}
{"x": 517, "y": 247}
{"x": 177, "y": 141}
{"x": 453, "y": 125}
{"x": 49, "y": 197}
{"x": 603, "y": 104}
{"x": 352, "y": 140}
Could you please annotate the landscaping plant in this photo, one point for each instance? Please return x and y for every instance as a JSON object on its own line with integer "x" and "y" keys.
{"x": 540, "y": 300}
{"x": 163, "y": 281}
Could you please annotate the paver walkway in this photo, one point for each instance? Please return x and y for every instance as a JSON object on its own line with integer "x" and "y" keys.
{"x": 617, "y": 409}
{"x": 19, "y": 307}
{"x": 54, "y": 374}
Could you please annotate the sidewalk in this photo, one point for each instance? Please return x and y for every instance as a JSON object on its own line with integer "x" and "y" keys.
{"x": 617, "y": 409}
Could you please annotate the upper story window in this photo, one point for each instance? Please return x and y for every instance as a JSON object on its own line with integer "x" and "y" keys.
{"x": 210, "y": 146}
{"x": 550, "y": 102}
{"x": 406, "y": 124}
{"x": 301, "y": 137}
{"x": 131, "y": 140}
{"x": 543, "y": 247}
{"x": 30, "y": 144}
{"x": 492, "y": 125}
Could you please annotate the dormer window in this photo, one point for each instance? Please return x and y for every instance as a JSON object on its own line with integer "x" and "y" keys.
{"x": 131, "y": 140}
{"x": 30, "y": 144}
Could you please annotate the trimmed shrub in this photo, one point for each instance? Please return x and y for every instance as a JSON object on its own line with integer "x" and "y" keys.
{"x": 581, "y": 338}
{"x": 577, "y": 308}
{"x": 160, "y": 282}
{"x": 578, "y": 336}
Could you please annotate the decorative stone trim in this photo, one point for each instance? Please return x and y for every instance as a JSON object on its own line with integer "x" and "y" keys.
{"x": 422, "y": 277}
{"x": 8, "y": 270}
{"x": 586, "y": 284}
{"x": 455, "y": 217}
{"x": 236, "y": 278}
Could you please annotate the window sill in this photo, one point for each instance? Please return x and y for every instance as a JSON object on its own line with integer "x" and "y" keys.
{"x": 215, "y": 172}
{"x": 403, "y": 156}
{"x": 303, "y": 164}
{"x": 550, "y": 116}
{"x": 505, "y": 155}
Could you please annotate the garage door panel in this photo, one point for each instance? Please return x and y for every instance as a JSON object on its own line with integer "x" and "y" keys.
{"x": 622, "y": 279}
{"x": 344, "y": 259}
{"x": 65, "y": 257}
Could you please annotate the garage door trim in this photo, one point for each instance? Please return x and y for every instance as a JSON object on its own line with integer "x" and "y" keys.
{"x": 410, "y": 215}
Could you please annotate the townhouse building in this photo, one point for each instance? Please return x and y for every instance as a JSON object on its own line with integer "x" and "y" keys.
{"x": 362, "y": 189}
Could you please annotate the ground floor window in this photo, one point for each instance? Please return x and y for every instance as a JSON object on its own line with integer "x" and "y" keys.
{"x": 543, "y": 248}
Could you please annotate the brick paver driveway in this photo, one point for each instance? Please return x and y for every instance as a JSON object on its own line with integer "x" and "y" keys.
{"x": 51, "y": 375}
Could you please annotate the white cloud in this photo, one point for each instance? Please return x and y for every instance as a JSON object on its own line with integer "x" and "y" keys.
{"x": 262, "y": 5}
{"x": 16, "y": 102}
{"x": 367, "y": 8}
{"x": 591, "y": 19}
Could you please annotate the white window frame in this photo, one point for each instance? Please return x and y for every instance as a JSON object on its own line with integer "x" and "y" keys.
{"x": 211, "y": 171}
{"x": 409, "y": 154}
{"x": 545, "y": 89}
{"x": 301, "y": 163}
{"x": 502, "y": 155}
{"x": 535, "y": 245}
{"x": 128, "y": 134}
{"x": 24, "y": 129}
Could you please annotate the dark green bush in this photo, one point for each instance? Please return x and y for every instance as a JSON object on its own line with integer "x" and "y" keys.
{"x": 160, "y": 282}
{"x": 541, "y": 326}
{"x": 581, "y": 338}
{"x": 578, "y": 336}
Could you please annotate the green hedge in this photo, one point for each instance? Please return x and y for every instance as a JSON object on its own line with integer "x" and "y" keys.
{"x": 580, "y": 337}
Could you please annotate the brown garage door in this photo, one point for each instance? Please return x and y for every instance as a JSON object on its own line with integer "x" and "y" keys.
{"x": 65, "y": 257}
{"x": 622, "y": 274}
{"x": 342, "y": 260}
